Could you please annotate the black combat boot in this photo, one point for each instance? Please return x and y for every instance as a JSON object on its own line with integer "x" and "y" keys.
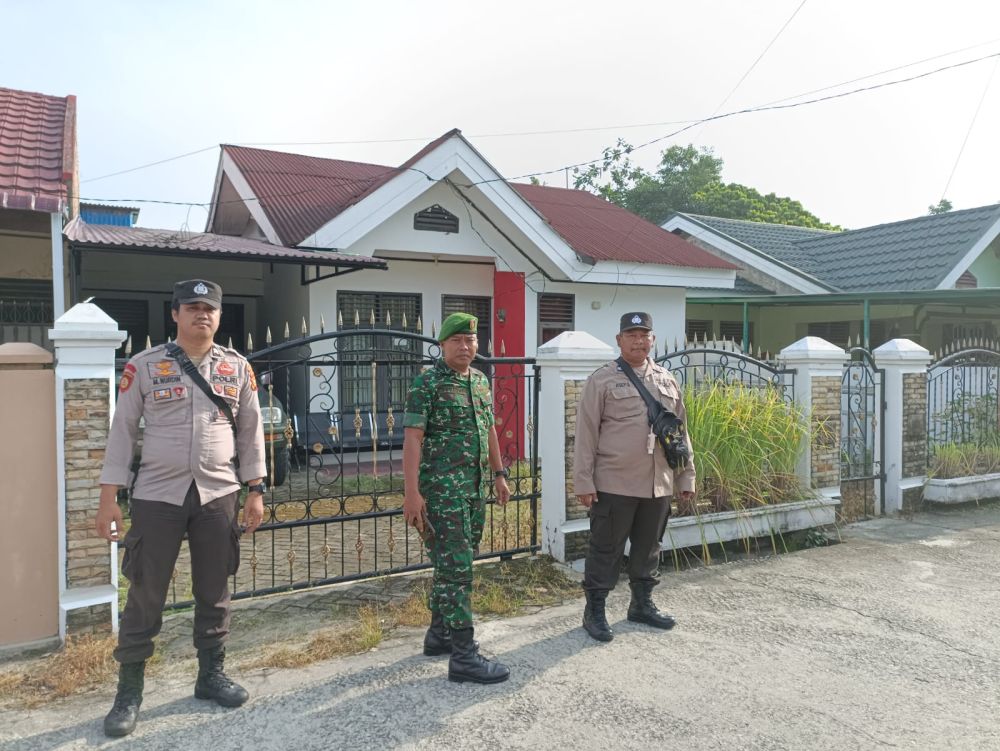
{"x": 467, "y": 664}
{"x": 642, "y": 609}
{"x": 213, "y": 683}
{"x": 125, "y": 712}
{"x": 595, "y": 622}
{"x": 437, "y": 640}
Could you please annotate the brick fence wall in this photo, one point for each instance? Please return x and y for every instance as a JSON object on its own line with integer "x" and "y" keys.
{"x": 576, "y": 544}
{"x": 86, "y": 411}
{"x": 825, "y": 431}
{"x": 914, "y": 435}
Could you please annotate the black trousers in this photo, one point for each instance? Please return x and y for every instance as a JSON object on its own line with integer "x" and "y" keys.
{"x": 151, "y": 548}
{"x": 615, "y": 519}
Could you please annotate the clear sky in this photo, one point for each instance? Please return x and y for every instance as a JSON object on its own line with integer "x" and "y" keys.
{"x": 159, "y": 79}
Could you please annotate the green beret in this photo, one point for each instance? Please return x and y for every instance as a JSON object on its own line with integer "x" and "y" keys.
{"x": 458, "y": 323}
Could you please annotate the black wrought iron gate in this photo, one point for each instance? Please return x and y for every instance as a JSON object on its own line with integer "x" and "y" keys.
{"x": 333, "y": 407}
{"x": 862, "y": 437}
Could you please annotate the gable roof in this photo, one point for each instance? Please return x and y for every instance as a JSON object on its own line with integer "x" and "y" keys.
{"x": 913, "y": 254}
{"x": 301, "y": 194}
{"x": 176, "y": 242}
{"x": 37, "y": 150}
{"x": 603, "y": 231}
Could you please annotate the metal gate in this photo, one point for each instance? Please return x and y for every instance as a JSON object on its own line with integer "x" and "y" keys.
{"x": 333, "y": 408}
{"x": 862, "y": 437}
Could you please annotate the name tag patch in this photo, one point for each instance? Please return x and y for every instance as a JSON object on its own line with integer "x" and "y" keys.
{"x": 162, "y": 381}
{"x": 163, "y": 368}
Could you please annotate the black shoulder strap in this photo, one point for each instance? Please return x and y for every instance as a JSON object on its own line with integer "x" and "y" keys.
{"x": 181, "y": 356}
{"x": 653, "y": 407}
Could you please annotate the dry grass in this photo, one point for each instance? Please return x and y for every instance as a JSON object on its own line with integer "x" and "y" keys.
{"x": 366, "y": 632}
{"x": 502, "y": 589}
{"x": 83, "y": 664}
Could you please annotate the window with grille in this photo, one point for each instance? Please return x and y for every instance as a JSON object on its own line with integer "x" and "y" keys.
{"x": 695, "y": 327}
{"x": 435, "y": 219}
{"x": 556, "y": 314}
{"x": 733, "y": 331}
{"x": 26, "y": 301}
{"x": 835, "y": 332}
{"x": 398, "y": 358}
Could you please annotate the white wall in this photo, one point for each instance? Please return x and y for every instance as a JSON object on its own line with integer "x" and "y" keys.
{"x": 664, "y": 304}
{"x": 431, "y": 280}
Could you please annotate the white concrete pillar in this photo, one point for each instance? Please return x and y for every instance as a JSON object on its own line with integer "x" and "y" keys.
{"x": 85, "y": 340}
{"x": 902, "y": 360}
{"x": 570, "y": 357}
{"x": 819, "y": 370}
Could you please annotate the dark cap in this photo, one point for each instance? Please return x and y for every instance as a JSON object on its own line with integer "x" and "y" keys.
{"x": 197, "y": 290}
{"x": 636, "y": 321}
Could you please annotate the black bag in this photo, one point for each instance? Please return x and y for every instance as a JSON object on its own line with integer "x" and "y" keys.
{"x": 664, "y": 424}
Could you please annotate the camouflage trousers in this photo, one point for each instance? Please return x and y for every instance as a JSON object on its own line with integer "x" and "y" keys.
{"x": 458, "y": 528}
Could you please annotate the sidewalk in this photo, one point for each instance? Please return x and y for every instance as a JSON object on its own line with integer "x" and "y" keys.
{"x": 890, "y": 639}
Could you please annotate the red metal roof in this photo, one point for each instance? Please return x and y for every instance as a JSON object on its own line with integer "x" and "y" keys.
{"x": 299, "y": 194}
{"x": 172, "y": 242}
{"x": 603, "y": 231}
{"x": 37, "y": 150}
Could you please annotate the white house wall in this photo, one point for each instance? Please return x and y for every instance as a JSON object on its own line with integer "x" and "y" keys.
{"x": 599, "y": 307}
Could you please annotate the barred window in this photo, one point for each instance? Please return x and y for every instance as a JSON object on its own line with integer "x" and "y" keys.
{"x": 556, "y": 314}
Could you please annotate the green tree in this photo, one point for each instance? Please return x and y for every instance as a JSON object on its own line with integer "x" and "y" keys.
{"x": 687, "y": 179}
{"x": 943, "y": 207}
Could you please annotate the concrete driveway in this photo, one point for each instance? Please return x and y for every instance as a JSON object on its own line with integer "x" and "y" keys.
{"x": 891, "y": 639}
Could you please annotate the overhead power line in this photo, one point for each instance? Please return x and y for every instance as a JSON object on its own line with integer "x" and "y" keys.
{"x": 658, "y": 139}
{"x": 557, "y": 131}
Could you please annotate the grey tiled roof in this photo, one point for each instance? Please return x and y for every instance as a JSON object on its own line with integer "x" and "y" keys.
{"x": 915, "y": 254}
{"x": 776, "y": 240}
{"x": 740, "y": 287}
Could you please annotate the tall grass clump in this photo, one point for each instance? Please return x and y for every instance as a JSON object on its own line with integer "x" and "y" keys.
{"x": 746, "y": 444}
{"x": 964, "y": 460}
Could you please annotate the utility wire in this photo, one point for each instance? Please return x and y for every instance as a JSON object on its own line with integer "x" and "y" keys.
{"x": 658, "y": 139}
{"x": 559, "y": 131}
{"x": 972, "y": 124}
{"x": 759, "y": 58}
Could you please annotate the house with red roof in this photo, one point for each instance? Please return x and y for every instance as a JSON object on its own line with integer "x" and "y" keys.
{"x": 530, "y": 260}
{"x": 38, "y": 193}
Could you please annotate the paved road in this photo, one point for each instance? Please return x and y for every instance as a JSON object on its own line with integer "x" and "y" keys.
{"x": 889, "y": 640}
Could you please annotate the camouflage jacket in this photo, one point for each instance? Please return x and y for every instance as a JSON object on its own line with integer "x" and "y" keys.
{"x": 456, "y": 415}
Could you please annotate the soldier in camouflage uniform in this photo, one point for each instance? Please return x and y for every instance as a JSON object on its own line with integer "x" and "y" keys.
{"x": 450, "y": 453}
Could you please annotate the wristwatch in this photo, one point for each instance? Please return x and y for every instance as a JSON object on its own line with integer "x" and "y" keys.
{"x": 260, "y": 487}
{"x": 504, "y": 472}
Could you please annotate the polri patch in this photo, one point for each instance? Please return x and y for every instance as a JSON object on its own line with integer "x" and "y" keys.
{"x": 127, "y": 377}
